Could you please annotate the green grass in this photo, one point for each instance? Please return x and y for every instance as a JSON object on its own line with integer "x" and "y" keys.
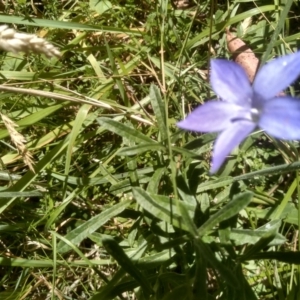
{"x": 122, "y": 205}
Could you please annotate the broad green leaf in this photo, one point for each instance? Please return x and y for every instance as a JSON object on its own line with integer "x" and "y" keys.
{"x": 100, "y": 6}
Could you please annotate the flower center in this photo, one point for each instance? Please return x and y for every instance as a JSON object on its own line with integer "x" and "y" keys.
{"x": 255, "y": 114}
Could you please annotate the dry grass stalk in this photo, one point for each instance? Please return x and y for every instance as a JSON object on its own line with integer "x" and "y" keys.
{"x": 16, "y": 42}
{"x": 19, "y": 141}
{"x": 242, "y": 54}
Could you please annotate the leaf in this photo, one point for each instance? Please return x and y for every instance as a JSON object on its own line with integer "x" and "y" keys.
{"x": 287, "y": 257}
{"x": 203, "y": 37}
{"x": 229, "y": 210}
{"x": 164, "y": 208}
{"x": 64, "y": 25}
{"x": 248, "y": 236}
{"x": 43, "y": 263}
{"x": 16, "y": 194}
{"x": 125, "y": 131}
{"x": 127, "y": 151}
{"x": 126, "y": 263}
{"x": 220, "y": 182}
{"x": 262, "y": 243}
{"x": 159, "y": 109}
{"x": 100, "y": 6}
{"x": 245, "y": 25}
{"x": 82, "y": 231}
{"x": 208, "y": 255}
{"x": 242, "y": 55}
{"x": 77, "y": 128}
{"x": 279, "y": 26}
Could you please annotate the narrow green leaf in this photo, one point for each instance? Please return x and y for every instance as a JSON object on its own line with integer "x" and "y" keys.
{"x": 279, "y": 26}
{"x": 207, "y": 254}
{"x": 39, "y": 263}
{"x": 117, "y": 79}
{"x": 119, "y": 255}
{"x": 124, "y": 131}
{"x": 77, "y": 128}
{"x": 82, "y": 231}
{"x": 162, "y": 207}
{"x": 181, "y": 291}
{"x": 64, "y": 25}
{"x": 269, "y": 232}
{"x": 21, "y": 194}
{"x": 80, "y": 181}
{"x": 203, "y": 37}
{"x": 53, "y": 215}
{"x": 159, "y": 110}
{"x": 140, "y": 149}
{"x": 290, "y": 257}
{"x": 155, "y": 180}
{"x": 72, "y": 247}
{"x": 29, "y": 177}
{"x": 229, "y": 210}
{"x": 187, "y": 220}
{"x": 200, "y": 278}
{"x": 220, "y": 182}
{"x": 35, "y": 117}
{"x": 281, "y": 207}
{"x": 248, "y": 236}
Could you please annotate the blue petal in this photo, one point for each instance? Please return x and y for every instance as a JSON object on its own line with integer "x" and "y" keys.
{"x": 276, "y": 76}
{"x": 229, "y": 81}
{"x": 228, "y": 140}
{"x": 213, "y": 116}
{"x": 280, "y": 118}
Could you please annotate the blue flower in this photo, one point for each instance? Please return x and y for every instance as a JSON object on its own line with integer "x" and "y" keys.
{"x": 243, "y": 107}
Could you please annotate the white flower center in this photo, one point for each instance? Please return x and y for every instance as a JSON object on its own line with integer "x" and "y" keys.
{"x": 255, "y": 114}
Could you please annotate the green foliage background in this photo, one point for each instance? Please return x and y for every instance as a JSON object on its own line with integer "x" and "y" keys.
{"x": 122, "y": 205}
